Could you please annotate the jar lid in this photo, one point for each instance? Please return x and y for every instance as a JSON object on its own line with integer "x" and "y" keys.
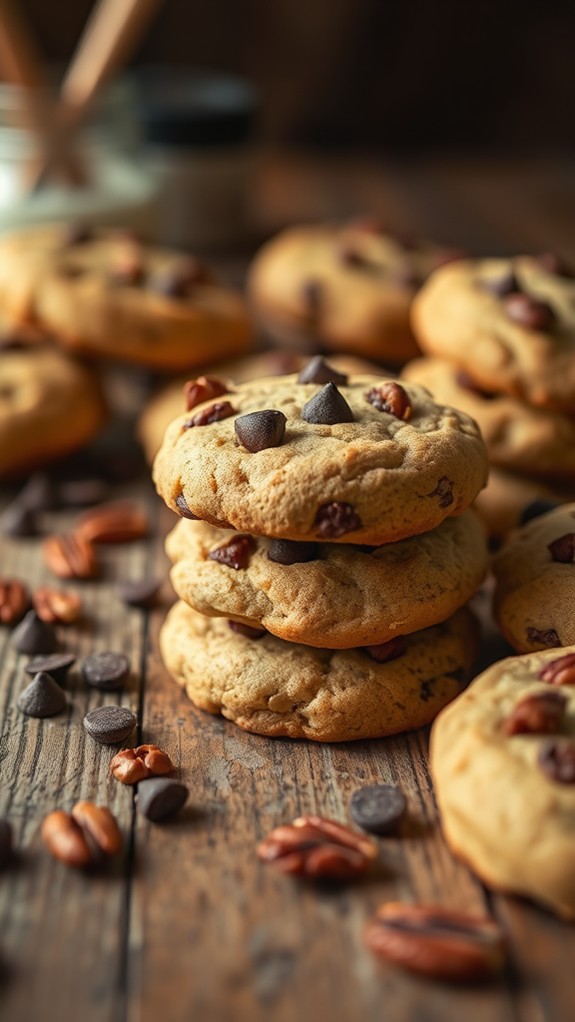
{"x": 197, "y": 109}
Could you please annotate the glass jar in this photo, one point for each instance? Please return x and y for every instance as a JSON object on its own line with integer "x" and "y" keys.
{"x": 119, "y": 191}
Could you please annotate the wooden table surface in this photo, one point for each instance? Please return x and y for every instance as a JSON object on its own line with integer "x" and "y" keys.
{"x": 188, "y": 925}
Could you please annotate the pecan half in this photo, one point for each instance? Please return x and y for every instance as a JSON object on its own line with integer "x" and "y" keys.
{"x": 70, "y": 556}
{"x": 437, "y": 942}
{"x": 539, "y": 713}
{"x": 14, "y": 600}
{"x": 132, "y": 765}
{"x": 205, "y": 388}
{"x": 83, "y": 837}
{"x": 314, "y": 847}
{"x": 57, "y": 606}
{"x": 117, "y": 522}
{"x": 214, "y": 413}
{"x": 560, "y": 671}
{"x": 391, "y": 398}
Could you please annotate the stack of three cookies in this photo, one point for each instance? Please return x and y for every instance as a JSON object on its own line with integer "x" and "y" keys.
{"x": 325, "y": 553}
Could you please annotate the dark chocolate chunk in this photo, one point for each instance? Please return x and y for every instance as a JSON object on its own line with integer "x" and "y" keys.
{"x": 557, "y": 759}
{"x": 529, "y": 312}
{"x": 6, "y": 843}
{"x": 182, "y": 506}
{"x": 56, "y": 665}
{"x": 110, "y": 725}
{"x": 287, "y": 551}
{"x": 106, "y": 671}
{"x": 318, "y": 370}
{"x": 335, "y": 519}
{"x": 43, "y": 697}
{"x": 547, "y": 637}
{"x": 379, "y": 808}
{"x": 34, "y": 635}
{"x": 327, "y": 407}
{"x": 235, "y": 553}
{"x": 257, "y": 431}
{"x": 139, "y": 592}
{"x": 160, "y": 798}
{"x": 248, "y": 631}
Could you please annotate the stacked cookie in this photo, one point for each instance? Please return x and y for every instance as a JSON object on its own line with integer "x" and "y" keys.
{"x": 500, "y": 340}
{"x": 325, "y": 552}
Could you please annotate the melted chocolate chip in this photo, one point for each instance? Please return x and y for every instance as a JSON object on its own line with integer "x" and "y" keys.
{"x": 444, "y": 491}
{"x": 184, "y": 510}
{"x": 248, "y": 631}
{"x": 327, "y": 407}
{"x": 235, "y": 553}
{"x": 335, "y": 519}
{"x": 258, "y": 431}
{"x": 385, "y": 651}
{"x": 529, "y": 312}
{"x": 548, "y": 638}
{"x": 286, "y": 551}
{"x": 319, "y": 371}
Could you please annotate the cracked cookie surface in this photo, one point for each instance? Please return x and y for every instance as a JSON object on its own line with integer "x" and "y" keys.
{"x": 279, "y": 688}
{"x": 387, "y": 477}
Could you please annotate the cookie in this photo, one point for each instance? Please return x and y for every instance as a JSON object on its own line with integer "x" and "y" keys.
{"x": 535, "y": 582}
{"x": 50, "y": 404}
{"x": 501, "y": 503}
{"x": 103, "y": 294}
{"x": 342, "y": 287}
{"x": 330, "y": 594}
{"x": 510, "y": 324}
{"x": 169, "y": 401}
{"x": 518, "y": 437}
{"x": 503, "y": 766}
{"x": 391, "y": 464}
{"x": 279, "y": 688}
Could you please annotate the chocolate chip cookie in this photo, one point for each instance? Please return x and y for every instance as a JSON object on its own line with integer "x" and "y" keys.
{"x": 329, "y": 594}
{"x": 279, "y": 688}
{"x": 535, "y": 575}
{"x": 50, "y": 404}
{"x": 518, "y": 437}
{"x": 509, "y": 324}
{"x": 342, "y": 287}
{"x": 503, "y": 766}
{"x": 102, "y": 293}
{"x": 364, "y": 460}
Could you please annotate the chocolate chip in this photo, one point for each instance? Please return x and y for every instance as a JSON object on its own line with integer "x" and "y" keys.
{"x": 562, "y": 549}
{"x": 257, "y": 431}
{"x": 139, "y": 593}
{"x": 385, "y": 651}
{"x": 235, "y": 553}
{"x": 106, "y": 671}
{"x": 444, "y": 491}
{"x": 535, "y": 509}
{"x": 34, "y": 635}
{"x": 327, "y": 407}
{"x": 335, "y": 519}
{"x": 319, "y": 371}
{"x": 110, "y": 725}
{"x": 215, "y": 413}
{"x": 557, "y": 759}
{"x": 312, "y": 297}
{"x": 56, "y": 665}
{"x": 549, "y": 638}
{"x": 84, "y": 492}
{"x": 43, "y": 697}
{"x": 248, "y": 631}
{"x": 182, "y": 506}
{"x": 18, "y": 521}
{"x": 77, "y": 234}
{"x": 160, "y": 798}
{"x": 6, "y": 843}
{"x": 287, "y": 551}
{"x": 379, "y": 808}
{"x": 529, "y": 312}
{"x": 555, "y": 264}
{"x": 350, "y": 256}
{"x": 506, "y": 284}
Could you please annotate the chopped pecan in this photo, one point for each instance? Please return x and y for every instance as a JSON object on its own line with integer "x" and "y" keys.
{"x": 117, "y": 522}
{"x": 204, "y": 388}
{"x": 70, "y": 556}
{"x": 314, "y": 847}
{"x": 132, "y": 765}
{"x": 391, "y": 398}
{"x": 57, "y": 606}
{"x": 560, "y": 671}
{"x": 214, "y": 413}
{"x": 14, "y": 600}
{"x": 539, "y": 713}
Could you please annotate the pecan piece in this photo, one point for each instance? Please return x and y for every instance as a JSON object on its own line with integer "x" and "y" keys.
{"x": 214, "y": 413}
{"x": 57, "y": 606}
{"x": 314, "y": 847}
{"x": 562, "y": 549}
{"x": 539, "y": 713}
{"x": 235, "y": 553}
{"x": 560, "y": 671}
{"x": 437, "y": 942}
{"x": 14, "y": 600}
{"x": 70, "y": 556}
{"x": 83, "y": 837}
{"x": 132, "y": 765}
{"x": 204, "y": 388}
{"x": 117, "y": 522}
{"x": 391, "y": 398}
{"x": 385, "y": 651}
